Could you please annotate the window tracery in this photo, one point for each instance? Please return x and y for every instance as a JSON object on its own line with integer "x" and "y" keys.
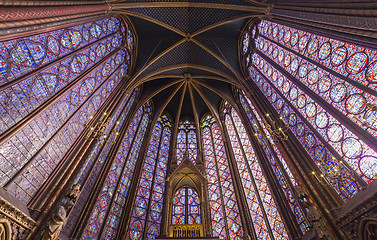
{"x": 111, "y": 200}
{"x": 267, "y": 222}
{"x": 224, "y": 210}
{"x": 56, "y": 80}
{"x": 186, "y": 141}
{"x": 186, "y": 207}
{"x": 321, "y": 88}
{"x": 146, "y": 216}
{"x": 276, "y": 160}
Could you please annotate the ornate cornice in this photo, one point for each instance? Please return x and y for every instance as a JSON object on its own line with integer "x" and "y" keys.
{"x": 16, "y": 215}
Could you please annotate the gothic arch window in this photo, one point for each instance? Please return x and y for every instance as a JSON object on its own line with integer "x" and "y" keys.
{"x": 186, "y": 141}
{"x": 224, "y": 211}
{"x": 55, "y": 82}
{"x": 145, "y": 222}
{"x": 186, "y": 207}
{"x": 323, "y": 88}
{"x": 276, "y": 160}
{"x": 94, "y": 160}
{"x": 109, "y": 206}
{"x": 267, "y": 222}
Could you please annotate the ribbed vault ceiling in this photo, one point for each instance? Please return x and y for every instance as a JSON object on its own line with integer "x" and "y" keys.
{"x": 188, "y": 51}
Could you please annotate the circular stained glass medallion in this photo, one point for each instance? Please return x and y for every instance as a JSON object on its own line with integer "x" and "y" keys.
{"x": 303, "y": 42}
{"x": 79, "y": 63}
{"x": 275, "y": 32}
{"x": 322, "y": 120}
{"x": 287, "y": 36}
{"x": 303, "y": 70}
{"x": 368, "y": 165}
{"x": 310, "y": 140}
{"x": 352, "y": 148}
{"x": 294, "y": 39}
{"x": 28, "y": 53}
{"x": 292, "y": 120}
{"x": 287, "y": 60}
{"x": 300, "y": 129}
{"x": 301, "y": 101}
{"x": 312, "y": 46}
{"x": 335, "y": 133}
{"x": 324, "y": 84}
{"x": 320, "y": 153}
{"x": 293, "y": 93}
{"x": 356, "y": 63}
{"x": 371, "y": 72}
{"x": 311, "y": 110}
{"x": 294, "y": 65}
{"x": 53, "y": 45}
{"x": 281, "y": 56}
{"x": 338, "y": 93}
{"x": 71, "y": 39}
{"x": 371, "y": 119}
{"x": 355, "y": 104}
{"x": 313, "y": 76}
{"x": 339, "y": 56}
{"x": 324, "y": 51}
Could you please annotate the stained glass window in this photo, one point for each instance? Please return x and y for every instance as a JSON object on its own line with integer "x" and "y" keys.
{"x": 55, "y": 82}
{"x": 146, "y": 214}
{"x": 262, "y": 207}
{"x": 224, "y": 211}
{"x": 186, "y": 207}
{"x": 186, "y": 141}
{"x": 322, "y": 87}
{"x": 95, "y": 159}
{"x": 112, "y": 197}
{"x": 276, "y": 161}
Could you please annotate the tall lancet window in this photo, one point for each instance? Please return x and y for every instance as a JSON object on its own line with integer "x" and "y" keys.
{"x": 225, "y": 216}
{"x": 109, "y": 206}
{"x": 145, "y": 222}
{"x": 278, "y": 164}
{"x": 186, "y": 207}
{"x": 325, "y": 89}
{"x": 267, "y": 222}
{"x": 51, "y": 84}
{"x": 186, "y": 141}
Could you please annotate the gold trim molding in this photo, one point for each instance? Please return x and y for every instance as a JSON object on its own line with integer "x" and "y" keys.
{"x": 16, "y": 215}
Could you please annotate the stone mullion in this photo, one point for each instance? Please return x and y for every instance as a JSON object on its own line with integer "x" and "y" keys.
{"x": 86, "y": 213}
{"x": 219, "y": 183}
{"x": 282, "y": 169}
{"x": 164, "y": 231}
{"x": 35, "y": 113}
{"x": 252, "y": 179}
{"x": 153, "y": 180}
{"x": 131, "y": 196}
{"x": 290, "y": 221}
{"x": 40, "y": 111}
{"x": 243, "y": 207}
{"x": 301, "y": 163}
{"x": 120, "y": 177}
{"x": 316, "y": 133}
